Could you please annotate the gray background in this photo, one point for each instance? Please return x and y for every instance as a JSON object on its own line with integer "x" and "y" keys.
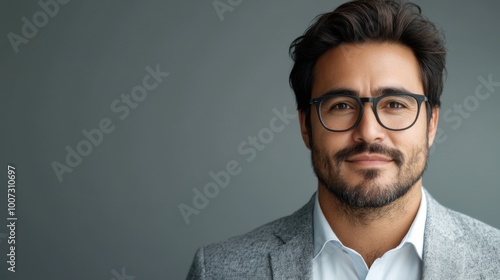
{"x": 119, "y": 207}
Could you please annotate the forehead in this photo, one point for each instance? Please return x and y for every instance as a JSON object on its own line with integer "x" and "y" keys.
{"x": 366, "y": 68}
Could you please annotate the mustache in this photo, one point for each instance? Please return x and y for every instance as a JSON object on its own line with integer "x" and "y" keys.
{"x": 375, "y": 148}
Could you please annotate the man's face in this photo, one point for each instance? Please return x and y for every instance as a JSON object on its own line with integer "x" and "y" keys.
{"x": 369, "y": 166}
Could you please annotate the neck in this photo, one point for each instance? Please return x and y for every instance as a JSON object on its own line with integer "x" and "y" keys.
{"x": 371, "y": 231}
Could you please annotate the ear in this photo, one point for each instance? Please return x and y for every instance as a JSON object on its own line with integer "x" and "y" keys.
{"x": 303, "y": 128}
{"x": 433, "y": 124}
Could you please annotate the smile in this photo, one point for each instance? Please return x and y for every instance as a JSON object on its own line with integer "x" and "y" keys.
{"x": 369, "y": 160}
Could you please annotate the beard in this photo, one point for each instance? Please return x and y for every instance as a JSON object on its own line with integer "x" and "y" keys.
{"x": 369, "y": 192}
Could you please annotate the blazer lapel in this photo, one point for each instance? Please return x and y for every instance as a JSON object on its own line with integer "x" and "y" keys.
{"x": 443, "y": 256}
{"x": 292, "y": 260}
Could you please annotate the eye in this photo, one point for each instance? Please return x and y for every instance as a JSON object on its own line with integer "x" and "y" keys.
{"x": 395, "y": 105}
{"x": 397, "y": 102}
{"x": 340, "y": 106}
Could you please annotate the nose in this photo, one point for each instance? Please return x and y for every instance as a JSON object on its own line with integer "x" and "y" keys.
{"x": 369, "y": 129}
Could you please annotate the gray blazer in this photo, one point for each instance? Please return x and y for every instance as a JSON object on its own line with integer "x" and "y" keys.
{"x": 455, "y": 247}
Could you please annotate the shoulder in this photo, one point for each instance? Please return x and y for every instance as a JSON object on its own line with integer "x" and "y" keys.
{"x": 238, "y": 256}
{"x": 480, "y": 237}
{"x": 248, "y": 254}
{"x": 461, "y": 227}
{"x": 253, "y": 243}
{"x": 456, "y": 242}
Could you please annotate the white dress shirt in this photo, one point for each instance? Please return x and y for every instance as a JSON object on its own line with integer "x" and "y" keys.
{"x": 333, "y": 260}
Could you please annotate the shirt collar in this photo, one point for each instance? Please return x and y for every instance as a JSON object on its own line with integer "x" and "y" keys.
{"x": 323, "y": 233}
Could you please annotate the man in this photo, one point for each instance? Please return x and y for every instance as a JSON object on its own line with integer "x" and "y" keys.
{"x": 367, "y": 79}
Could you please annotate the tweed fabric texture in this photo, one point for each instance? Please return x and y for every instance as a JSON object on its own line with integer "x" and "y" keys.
{"x": 456, "y": 246}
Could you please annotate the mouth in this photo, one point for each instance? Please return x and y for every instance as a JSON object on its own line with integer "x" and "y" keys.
{"x": 369, "y": 160}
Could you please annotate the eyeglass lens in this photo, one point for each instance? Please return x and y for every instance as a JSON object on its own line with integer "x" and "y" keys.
{"x": 394, "y": 111}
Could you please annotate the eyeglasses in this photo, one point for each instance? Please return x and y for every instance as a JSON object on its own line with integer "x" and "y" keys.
{"x": 393, "y": 111}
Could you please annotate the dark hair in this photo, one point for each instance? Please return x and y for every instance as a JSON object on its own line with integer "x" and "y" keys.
{"x": 370, "y": 21}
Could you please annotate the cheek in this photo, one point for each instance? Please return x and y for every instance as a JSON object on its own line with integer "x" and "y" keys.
{"x": 329, "y": 142}
{"x": 408, "y": 141}
{"x": 412, "y": 137}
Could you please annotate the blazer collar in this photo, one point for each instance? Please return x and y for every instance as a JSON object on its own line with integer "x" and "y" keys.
{"x": 443, "y": 255}
{"x": 292, "y": 259}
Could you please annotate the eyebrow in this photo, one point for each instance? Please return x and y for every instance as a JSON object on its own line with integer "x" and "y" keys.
{"x": 377, "y": 91}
